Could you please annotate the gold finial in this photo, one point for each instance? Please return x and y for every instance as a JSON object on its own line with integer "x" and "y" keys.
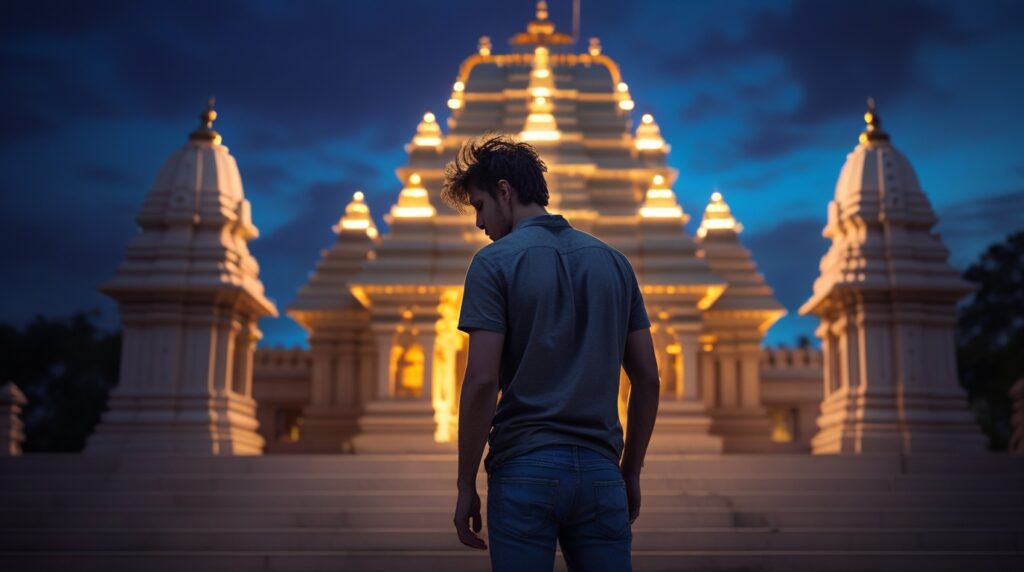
{"x": 206, "y": 119}
{"x": 595, "y": 46}
{"x": 873, "y": 132}
{"x": 542, "y": 10}
{"x": 483, "y": 47}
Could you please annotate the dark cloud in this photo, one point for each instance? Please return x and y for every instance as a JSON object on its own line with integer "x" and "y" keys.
{"x": 763, "y": 177}
{"x": 705, "y": 105}
{"x": 788, "y": 255}
{"x": 836, "y": 53}
{"x": 107, "y": 175}
{"x": 981, "y": 216}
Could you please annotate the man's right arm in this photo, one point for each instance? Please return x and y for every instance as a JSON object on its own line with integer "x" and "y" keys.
{"x": 645, "y": 389}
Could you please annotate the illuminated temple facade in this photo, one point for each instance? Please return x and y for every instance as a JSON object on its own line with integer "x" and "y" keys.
{"x": 385, "y": 358}
{"x": 385, "y": 361}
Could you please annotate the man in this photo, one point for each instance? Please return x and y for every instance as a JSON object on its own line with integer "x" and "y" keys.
{"x": 552, "y": 314}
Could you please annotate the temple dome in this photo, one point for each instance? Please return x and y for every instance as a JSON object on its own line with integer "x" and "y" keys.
{"x": 879, "y": 179}
{"x": 195, "y": 224}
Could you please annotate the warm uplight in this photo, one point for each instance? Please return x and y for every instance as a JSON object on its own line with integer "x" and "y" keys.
{"x": 660, "y": 201}
{"x": 484, "y": 46}
{"x": 357, "y": 217}
{"x": 626, "y": 104}
{"x": 428, "y": 132}
{"x": 595, "y": 47}
{"x": 459, "y": 86}
{"x": 648, "y": 135}
{"x": 454, "y": 103}
{"x": 718, "y": 216}
{"x": 622, "y": 87}
{"x": 413, "y": 201}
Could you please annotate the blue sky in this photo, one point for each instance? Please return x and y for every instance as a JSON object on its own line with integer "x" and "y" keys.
{"x": 316, "y": 99}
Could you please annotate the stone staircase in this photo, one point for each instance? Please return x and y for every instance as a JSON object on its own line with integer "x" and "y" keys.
{"x": 393, "y": 513}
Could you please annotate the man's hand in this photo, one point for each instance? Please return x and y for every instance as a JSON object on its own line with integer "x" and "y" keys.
{"x": 468, "y": 509}
{"x": 632, "y": 495}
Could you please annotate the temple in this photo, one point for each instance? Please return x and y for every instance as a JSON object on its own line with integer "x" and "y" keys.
{"x": 386, "y": 359}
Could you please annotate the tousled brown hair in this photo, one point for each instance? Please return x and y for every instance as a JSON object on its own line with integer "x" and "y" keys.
{"x": 484, "y": 161}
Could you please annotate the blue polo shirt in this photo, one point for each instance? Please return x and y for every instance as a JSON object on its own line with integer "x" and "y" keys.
{"x": 565, "y": 302}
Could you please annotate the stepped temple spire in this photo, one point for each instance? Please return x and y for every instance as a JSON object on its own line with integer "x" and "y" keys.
{"x": 540, "y": 122}
{"x": 648, "y": 135}
{"x": 718, "y": 217}
{"x": 413, "y": 201}
{"x": 357, "y": 217}
{"x": 428, "y": 132}
{"x": 886, "y": 297}
{"x": 660, "y": 201}
{"x": 190, "y": 299}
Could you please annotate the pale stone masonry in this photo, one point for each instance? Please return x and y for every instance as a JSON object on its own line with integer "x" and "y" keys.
{"x": 886, "y": 297}
{"x": 12, "y": 430}
{"x": 190, "y": 298}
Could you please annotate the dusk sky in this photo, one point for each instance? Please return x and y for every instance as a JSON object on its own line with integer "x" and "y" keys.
{"x": 316, "y": 99}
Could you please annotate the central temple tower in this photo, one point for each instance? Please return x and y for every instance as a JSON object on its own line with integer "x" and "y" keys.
{"x": 387, "y": 357}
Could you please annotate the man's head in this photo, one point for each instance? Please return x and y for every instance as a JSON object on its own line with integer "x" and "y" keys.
{"x": 500, "y": 178}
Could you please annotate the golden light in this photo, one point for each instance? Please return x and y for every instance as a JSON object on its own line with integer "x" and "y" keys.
{"x": 459, "y": 86}
{"x": 357, "y": 217}
{"x": 595, "y": 47}
{"x": 660, "y": 201}
{"x": 484, "y": 46}
{"x": 647, "y": 119}
{"x": 718, "y": 216}
{"x": 413, "y": 201}
{"x": 428, "y": 132}
{"x": 648, "y": 135}
{"x": 626, "y": 104}
{"x": 622, "y": 87}
{"x": 454, "y": 103}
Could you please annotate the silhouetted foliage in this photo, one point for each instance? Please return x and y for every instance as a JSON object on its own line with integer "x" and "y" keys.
{"x": 66, "y": 369}
{"x": 990, "y": 335}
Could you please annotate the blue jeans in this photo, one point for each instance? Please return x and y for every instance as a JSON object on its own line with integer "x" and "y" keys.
{"x": 562, "y": 493}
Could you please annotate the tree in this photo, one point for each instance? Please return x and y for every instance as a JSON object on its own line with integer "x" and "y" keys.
{"x": 66, "y": 368}
{"x": 990, "y": 335}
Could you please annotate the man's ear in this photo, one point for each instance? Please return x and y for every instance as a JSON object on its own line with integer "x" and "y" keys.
{"x": 505, "y": 190}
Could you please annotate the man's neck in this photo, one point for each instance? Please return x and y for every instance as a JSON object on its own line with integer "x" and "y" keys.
{"x": 524, "y": 212}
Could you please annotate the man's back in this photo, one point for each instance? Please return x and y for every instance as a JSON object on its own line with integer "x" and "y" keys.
{"x": 566, "y": 302}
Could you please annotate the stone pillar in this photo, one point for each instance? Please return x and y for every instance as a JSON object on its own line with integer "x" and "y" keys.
{"x": 390, "y": 424}
{"x": 739, "y": 418}
{"x": 683, "y": 425}
{"x": 12, "y": 433}
{"x": 329, "y": 421}
{"x": 1017, "y": 439}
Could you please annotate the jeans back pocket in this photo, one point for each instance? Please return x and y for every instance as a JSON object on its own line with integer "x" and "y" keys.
{"x": 524, "y": 505}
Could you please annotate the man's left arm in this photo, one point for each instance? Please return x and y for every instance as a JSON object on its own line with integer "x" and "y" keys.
{"x": 476, "y": 411}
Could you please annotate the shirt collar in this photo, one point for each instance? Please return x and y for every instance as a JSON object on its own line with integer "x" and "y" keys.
{"x": 548, "y": 220}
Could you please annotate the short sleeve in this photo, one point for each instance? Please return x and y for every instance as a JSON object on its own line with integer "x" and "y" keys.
{"x": 637, "y": 311}
{"x": 483, "y": 299}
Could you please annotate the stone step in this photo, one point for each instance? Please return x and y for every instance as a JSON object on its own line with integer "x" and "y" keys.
{"x": 466, "y": 560}
{"x": 441, "y": 482}
{"x": 740, "y": 500}
{"x": 652, "y": 516}
{"x": 427, "y": 539}
{"x": 690, "y": 465}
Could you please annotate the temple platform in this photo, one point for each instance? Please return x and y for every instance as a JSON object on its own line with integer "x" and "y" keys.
{"x": 393, "y": 513}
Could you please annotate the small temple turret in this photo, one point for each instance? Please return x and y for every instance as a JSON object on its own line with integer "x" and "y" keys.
{"x": 428, "y": 133}
{"x": 734, "y": 328}
{"x": 337, "y": 326}
{"x": 648, "y": 136}
{"x": 190, "y": 299}
{"x": 540, "y": 121}
{"x": 886, "y": 297}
